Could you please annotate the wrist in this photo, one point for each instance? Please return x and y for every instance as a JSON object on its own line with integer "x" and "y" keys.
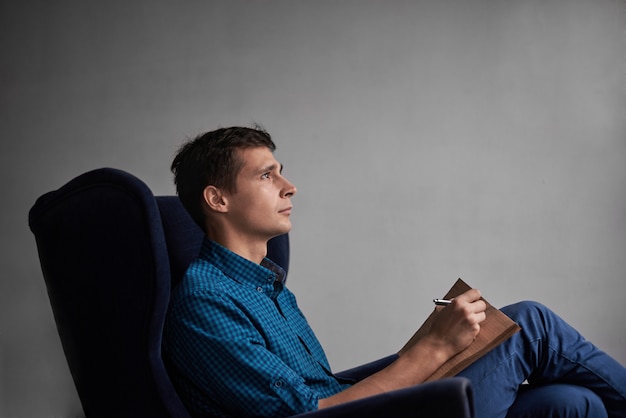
{"x": 438, "y": 350}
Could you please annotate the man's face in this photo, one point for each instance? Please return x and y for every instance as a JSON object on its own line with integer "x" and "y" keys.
{"x": 261, "y": 206}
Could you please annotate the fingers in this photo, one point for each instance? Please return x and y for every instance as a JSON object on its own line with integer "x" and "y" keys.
{"x": 470, "y": 300}
{"x": 471, "y": 295}
{"x": 471, "y": 305}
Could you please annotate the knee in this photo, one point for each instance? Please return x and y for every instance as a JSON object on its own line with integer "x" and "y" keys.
{"x": 526, "y": 309}
{"x": 535, "y": 319}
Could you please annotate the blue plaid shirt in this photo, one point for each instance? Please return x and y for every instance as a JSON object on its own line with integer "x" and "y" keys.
{"x": 238, "y": 343}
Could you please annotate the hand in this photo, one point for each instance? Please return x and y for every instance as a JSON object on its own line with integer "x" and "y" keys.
{"x": 456, "y": 326}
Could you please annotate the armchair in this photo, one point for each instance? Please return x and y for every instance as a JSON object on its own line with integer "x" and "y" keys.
{"x": 110, "y": 251}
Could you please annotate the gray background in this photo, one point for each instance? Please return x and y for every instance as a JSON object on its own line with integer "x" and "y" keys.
{"x": 429, "y": 140}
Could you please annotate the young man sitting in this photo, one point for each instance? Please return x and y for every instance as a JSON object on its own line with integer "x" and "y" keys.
{"x": 239, "y": 345}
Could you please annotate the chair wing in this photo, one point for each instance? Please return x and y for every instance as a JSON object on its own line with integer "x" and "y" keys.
{"x": 105, "y": 263}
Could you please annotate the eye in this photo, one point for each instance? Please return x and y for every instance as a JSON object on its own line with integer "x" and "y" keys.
{"x": 265, "y": 175}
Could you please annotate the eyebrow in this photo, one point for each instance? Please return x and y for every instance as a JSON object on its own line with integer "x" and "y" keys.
{"x": 271, "y": 167}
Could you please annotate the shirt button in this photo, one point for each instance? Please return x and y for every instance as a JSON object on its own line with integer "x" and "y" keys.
{"x": 259, "y": 289}
{"x": 278, "y": 383}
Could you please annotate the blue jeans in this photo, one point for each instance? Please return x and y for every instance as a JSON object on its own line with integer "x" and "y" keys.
{"x": 567, "y": 375}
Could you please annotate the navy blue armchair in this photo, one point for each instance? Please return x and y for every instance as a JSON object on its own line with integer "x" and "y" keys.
{"x": 110, "y": 252}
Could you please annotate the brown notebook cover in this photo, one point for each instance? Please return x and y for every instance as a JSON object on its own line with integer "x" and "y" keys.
{"x": 495, "y": 329}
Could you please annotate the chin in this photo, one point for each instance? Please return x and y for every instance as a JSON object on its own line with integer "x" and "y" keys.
{"x": 284, "y": 229}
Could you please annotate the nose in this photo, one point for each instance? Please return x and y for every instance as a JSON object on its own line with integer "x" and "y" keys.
{"x": 288, "y": 189}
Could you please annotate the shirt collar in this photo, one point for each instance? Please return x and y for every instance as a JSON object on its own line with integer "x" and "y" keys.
{"x": 267, "y": 277}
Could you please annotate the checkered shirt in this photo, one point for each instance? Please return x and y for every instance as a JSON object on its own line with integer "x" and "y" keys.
{"x": 238, "y": 344}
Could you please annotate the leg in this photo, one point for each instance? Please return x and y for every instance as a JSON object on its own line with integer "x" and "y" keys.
{"x": 556, "y": 400}
{"x": 547, "y": 350}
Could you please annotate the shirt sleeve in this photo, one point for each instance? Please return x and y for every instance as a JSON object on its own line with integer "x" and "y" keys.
{"x": 217, "y": 347}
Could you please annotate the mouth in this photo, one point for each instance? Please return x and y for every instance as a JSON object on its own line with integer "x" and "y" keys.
{"x": 286, "y": 211}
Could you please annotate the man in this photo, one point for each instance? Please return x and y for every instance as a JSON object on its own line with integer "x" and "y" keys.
{"x": 239, "y": 345}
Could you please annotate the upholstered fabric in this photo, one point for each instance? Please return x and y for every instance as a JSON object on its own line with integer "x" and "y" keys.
{"x": 105, "y": 263}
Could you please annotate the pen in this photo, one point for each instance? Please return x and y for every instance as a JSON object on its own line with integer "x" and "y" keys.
{"x": 442, "y": 302}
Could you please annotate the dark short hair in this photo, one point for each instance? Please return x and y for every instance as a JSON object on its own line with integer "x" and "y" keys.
{"x": 211, "y": 159}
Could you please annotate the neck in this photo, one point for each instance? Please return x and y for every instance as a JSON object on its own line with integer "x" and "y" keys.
{"x": 251, "y": 249}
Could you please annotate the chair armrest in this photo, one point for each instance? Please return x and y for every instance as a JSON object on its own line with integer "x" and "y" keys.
{"x": 450, "y": 398}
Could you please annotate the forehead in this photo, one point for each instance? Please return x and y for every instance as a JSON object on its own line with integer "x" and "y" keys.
{"x": 256, "y": 158}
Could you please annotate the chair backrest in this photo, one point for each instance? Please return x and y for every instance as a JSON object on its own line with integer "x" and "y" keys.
{"x": 103, "y": 241}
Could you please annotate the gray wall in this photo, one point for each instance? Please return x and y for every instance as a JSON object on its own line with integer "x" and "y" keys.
{"x": 429, "y": 140}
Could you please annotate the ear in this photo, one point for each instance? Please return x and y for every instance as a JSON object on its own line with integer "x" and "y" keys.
{"x": 215, "y": 199}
